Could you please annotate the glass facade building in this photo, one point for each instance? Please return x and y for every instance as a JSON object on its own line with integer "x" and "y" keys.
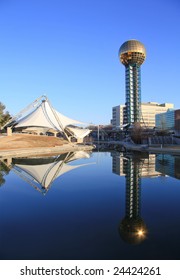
{"x": 132, "y": 54}
{"x": 165, "y": 120}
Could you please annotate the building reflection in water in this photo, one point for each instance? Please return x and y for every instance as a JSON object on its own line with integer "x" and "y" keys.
{"x": 41, "y": 172}
{"x": 133, "y": 166}
{"x": 168, "y": 165}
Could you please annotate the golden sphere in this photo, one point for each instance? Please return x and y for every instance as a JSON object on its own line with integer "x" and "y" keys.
{"x": 132, "y": 52}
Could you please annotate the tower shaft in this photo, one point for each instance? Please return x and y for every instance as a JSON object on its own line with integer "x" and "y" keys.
{"x": 133, "y": 93}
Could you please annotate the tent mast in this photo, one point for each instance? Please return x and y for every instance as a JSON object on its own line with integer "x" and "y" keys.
{"x": 58, "y": 120}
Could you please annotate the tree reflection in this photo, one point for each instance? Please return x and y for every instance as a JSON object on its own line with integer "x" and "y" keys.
{"x": 4, "y": 170}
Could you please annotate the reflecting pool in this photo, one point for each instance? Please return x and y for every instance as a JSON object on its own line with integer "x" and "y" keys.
{"x": 98, "y": 205}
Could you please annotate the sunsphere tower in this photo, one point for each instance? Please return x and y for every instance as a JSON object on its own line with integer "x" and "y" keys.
{"x": 132, "y": 54}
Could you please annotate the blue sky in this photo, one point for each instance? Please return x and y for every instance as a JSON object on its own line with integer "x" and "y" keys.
{"x": 68, "y": 50}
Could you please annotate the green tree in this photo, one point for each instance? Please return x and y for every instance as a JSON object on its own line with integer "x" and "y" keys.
{"x": 136, "y": 133}
{"x": 4, "y": 115}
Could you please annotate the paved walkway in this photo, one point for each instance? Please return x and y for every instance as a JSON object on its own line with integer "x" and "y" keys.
{"x": 175, "y": 149}
{"x": 44, "y": 151}
{"x": 167, "y": 149}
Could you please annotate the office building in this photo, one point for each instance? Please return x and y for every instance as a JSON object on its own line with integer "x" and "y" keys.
{"x": 148, "y": 113}
{"x": 169, "y": 120}
{"x": 165, "y": 120}
{"x": 118, "y": 116}
{"x": 150, "y": 110}
{"x": 177, "y": 121}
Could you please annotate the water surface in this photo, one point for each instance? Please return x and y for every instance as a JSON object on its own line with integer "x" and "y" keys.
{"x": 90, "y": 206}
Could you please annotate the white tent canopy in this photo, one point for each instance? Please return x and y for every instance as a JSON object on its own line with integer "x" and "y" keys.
{"x": 45, "y": 116}
{"x": 78, "y": 132}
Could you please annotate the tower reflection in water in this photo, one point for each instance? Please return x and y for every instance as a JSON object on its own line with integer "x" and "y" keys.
{"x": 132, "y": 228}
{"x": 133, "y": 166}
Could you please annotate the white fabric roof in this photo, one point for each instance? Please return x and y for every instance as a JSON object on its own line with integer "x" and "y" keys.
{"x": 79, "y": 132}
{"x": 45, "y": 116}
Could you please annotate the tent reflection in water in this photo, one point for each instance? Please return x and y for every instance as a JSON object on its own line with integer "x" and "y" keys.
{"x": 41, "y": 172}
